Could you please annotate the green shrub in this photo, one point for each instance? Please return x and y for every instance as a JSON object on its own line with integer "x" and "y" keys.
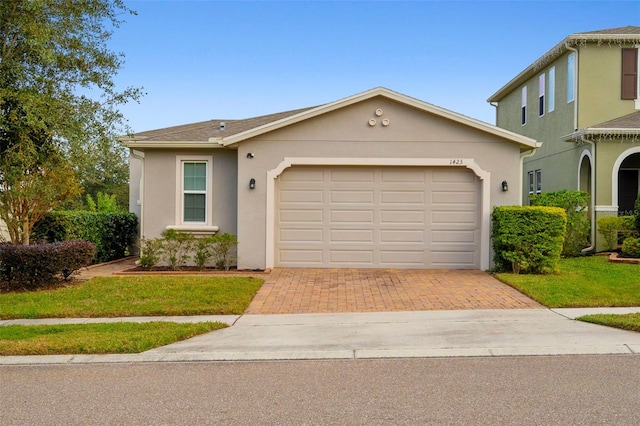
{"x": 175, "y": 248}
{"x": 631, "y": 247}
{"x": 203, "y": 250}
{"x": 611, "y": 227}
{"x": 150, "y": 252}
{"x": 528, "y": 239}
{"x": 575, "y": 205}
{"x": 224, "y": 250}
{"x": 103, "y": 203}
{"x": 111, "y": 232}
{"x": 636, "y": 213}
{"x": 32, "y": 266}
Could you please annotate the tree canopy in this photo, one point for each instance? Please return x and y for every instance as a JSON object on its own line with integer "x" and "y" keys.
{"x": 58, "y": 100}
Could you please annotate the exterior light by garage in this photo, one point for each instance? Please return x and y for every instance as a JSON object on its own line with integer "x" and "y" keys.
{"x": 505, "y": 186}
{"x": 252, "y": 184}
{"x": 249, "y": 154}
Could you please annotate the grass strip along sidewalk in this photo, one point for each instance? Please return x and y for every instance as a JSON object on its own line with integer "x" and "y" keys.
{"x": 120, "y": 297}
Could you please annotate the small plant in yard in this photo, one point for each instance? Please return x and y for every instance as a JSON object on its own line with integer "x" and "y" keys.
{"x": 176, "y": 248}
{"x": 203, "y": 251}
{"x": 610, "y": 227}
{"x": 631, "y": 247}
{"x": 636, "y": 213}
{"x": 150, "y": 252}
{"x": 224, "y": 250}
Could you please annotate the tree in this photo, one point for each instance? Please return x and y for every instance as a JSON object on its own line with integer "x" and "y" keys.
{"x": 57, "y": 99}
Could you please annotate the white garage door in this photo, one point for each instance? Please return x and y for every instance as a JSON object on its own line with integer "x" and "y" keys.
{"x": 378, "y": 217}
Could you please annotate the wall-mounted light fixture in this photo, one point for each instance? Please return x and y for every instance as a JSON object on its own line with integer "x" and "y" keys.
{"x": 252, "y": 184}
{"x": 505, "y": 186}
{"x": 249, "y": 154}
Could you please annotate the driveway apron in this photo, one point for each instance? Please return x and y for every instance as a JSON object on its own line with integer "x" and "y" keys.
{"x": 304, "y": 290}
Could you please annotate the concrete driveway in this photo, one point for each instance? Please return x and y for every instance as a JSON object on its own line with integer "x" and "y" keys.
{"x": 304, "y": 290}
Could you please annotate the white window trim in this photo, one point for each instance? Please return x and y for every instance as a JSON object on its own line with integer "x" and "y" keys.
{"x": 523, "y": 106}
{"x": 180, "y": 224}
{"x": 551, "y": 90}
{"x": 541, "y": 94}
{"x": 571, "y": 77}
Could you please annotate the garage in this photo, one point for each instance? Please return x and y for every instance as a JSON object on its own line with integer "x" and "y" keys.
{"x": 377, "y": 217}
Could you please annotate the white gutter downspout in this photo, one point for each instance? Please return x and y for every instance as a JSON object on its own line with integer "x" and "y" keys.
{"x": 139, "y": 155}
{"x": 524, "y": 155}
{"x": 575, "y": 88}
{"x": 592, "y": 207}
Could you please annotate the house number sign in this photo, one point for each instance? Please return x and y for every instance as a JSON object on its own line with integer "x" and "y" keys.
{"x": 456, "y": 161}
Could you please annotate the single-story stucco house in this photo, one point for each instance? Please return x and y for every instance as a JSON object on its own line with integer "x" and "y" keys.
{"x": 374, "y": 180}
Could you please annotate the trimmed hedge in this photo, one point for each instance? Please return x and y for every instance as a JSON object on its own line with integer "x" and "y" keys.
{"x": 636, "y": 213}
{"x": 611, "y": 226}
{"x": 528, "y": 239}
{"x": 575, "y": 205}
{"x": 32, "y": 266}
{"x": 111, "y": 232}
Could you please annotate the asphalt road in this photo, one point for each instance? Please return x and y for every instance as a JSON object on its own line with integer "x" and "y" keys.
{"x": 571, "y": 390}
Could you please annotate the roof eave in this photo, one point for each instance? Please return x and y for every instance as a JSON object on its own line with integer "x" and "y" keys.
{"x": 600, "y": 131}
{"x": 133, "y": 143}
{"x": 525, "y": 142}
{"x": 555, "y": 52}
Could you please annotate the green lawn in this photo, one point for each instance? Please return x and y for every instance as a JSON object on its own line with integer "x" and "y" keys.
{"x": 135, "y": 296}
{"x": 582, "y": 282}
{"x": 103, "y": 338}
{"x": 627, "y": 322}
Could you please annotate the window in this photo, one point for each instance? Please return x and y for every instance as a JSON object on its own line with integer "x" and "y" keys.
{"x": 629, "y": 74}
{"x": 523, "y": 104}
{"x": 551, "y": 102}
{"x": 538, "y": 181}
{"x": 541, "y": 88}
{"x": 571, "y": 77}
{"x": 194, "y": 192}
{"x": 531, "y": 183}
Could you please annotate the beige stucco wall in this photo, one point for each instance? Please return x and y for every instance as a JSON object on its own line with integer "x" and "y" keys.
{"x": 4, "y": 233}
{"x": 345, "y": 133}
{"x": 160, "y": 186}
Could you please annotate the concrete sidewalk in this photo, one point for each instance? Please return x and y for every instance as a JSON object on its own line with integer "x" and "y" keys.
{"x": 503, "y": 332}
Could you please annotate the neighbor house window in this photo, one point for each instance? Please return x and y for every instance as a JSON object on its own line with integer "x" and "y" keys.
{"x": 629, "y": 74}
{"x": 523, "y": 106}
{"x": 551, "y": 101}
{"x": 571, "y": 77}
{"x": 538, "y": 181}
{"x": 531, "y": 186}
{"x": 194, "y": 197}
{"x": 541, "y": 88}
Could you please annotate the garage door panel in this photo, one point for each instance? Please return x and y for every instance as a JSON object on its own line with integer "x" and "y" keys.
{"x": 348, "y": 257}
{"x": 352, "y": 197}
{"x": 352, "y": 175}
{"x": 353, "y": 216}
{"x": 301, "y": 216}
{"x": 402, "y": 197}
{"x": 301, "y": 235}
{"x": 352, "y": 235}
{"x": 402, "y": 236}
{"x": 400, "y": 217}
{"x": 301, "y": 197}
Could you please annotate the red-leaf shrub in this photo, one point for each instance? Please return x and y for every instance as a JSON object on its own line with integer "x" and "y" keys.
{"x": 36, "y": 265}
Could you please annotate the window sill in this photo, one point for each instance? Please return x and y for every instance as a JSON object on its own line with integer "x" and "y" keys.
{"x": 195, "y": 229}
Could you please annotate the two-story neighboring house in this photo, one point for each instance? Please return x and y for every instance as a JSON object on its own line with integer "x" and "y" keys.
{"x": 582, "y": 100}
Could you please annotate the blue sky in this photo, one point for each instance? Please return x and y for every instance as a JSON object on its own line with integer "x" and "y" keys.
{"x": 200, "y": 60}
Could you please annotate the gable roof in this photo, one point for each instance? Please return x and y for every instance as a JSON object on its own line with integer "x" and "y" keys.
{"x": 621, "y": 35}
{"x": 208, "y": 133}
{"x": 625, "y": 126}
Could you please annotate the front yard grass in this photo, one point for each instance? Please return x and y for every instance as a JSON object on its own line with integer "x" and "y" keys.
{"x": 626, "y": 322}
{"x": 135, "y": 296}
{"x": 102, "y": 338}
{"x": 589, "y": 281}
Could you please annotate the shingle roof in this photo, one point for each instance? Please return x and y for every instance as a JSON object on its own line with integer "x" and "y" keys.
{"x": 629, "y": 29}
{"x": 629, "y": 121}
{"x": 204, "y": 130}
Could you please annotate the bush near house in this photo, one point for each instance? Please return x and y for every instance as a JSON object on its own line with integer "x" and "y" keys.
{"x": 111, "y": 232}
{"x": 33, "y": 266}
{"x": 528, "y": 239}
{"x": 636, "y": 213}
{"x": 575, "y": 205}
{"x": 175, "y": 249}
{"x": 613, "y": 227}
{"x": 631, "y": 247}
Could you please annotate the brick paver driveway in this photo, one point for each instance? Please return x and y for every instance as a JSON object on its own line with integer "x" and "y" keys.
{"x": 301, "y": 290}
